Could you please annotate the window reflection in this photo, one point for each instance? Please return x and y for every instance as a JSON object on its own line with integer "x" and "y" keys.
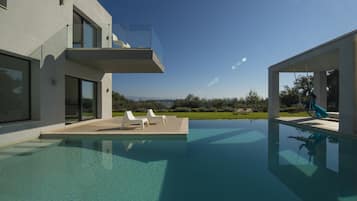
{"x": 89, "y": 35}
{"x": 88, "y": 100}
{"x": 107, "y": 156}
{"x": 72, "y": 100}
{"x": 85, "y": 34}
{"x": 77, "y": 31}
{"x": 81, "y": 100}
{"x": 14, "y": 89}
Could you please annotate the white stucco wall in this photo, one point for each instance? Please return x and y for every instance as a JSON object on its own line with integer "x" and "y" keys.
{"x": 38, "y": 28}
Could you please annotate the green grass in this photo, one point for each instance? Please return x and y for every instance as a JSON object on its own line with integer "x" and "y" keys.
{"x": 218, "y": 115}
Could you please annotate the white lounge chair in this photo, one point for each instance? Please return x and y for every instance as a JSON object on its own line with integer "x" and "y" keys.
{"x": 130, "y": 119}
{"x": 153, "y": 118}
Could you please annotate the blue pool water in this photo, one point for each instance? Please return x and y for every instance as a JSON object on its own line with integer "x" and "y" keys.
{"x": 220, "y": 160}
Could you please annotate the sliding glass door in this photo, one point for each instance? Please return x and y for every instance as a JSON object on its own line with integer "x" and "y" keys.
{"x": 81, "y": 100}
{"x": 89, "y": 100}
{"x": 72, "y": 100}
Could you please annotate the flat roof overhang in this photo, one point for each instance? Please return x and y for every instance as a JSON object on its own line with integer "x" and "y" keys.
{"x": 115, "y": 60}
{"x": 321, "y": 58}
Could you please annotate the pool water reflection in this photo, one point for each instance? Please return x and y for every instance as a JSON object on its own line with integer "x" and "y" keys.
{"x": 221, "y": 160}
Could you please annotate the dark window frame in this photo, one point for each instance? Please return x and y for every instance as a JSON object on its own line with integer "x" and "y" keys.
{"x": 96, "y": 31}
{"x": 29, "y": 90}
{"x": 80, "y": 102}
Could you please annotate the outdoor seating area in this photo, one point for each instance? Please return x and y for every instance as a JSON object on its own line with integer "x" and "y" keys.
{"x": 129, "y": 119}
{"x": 151, "y": 118}
{"x": 173, "y": 126}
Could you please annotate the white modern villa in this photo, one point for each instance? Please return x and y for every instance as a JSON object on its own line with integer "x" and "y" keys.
{"x": 56, "y": 65}
{"x": 338, "y": 54}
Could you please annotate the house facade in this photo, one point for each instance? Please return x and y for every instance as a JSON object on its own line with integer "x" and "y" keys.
{"x": 56, "y": 65}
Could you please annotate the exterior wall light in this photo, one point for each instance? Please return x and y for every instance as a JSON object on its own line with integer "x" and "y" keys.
{"x": 53, "y": 82}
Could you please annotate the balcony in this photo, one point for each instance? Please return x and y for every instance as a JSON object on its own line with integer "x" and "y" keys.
{"x": 133, "y": 49}
{"x": 116, "y": 60}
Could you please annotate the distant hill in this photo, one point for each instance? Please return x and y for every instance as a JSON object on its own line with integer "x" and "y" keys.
{"x": 141, "y": 98}
{"x": 167, "y": 102}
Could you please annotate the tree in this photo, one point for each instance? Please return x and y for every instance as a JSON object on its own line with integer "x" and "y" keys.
{"x": 298, "y": 93}
{"x": 289, "y": 96}
{"x": 120, "y": 103}
{"x": 333, "y": 90}
{"x": 192, "y": 101}
{"x": 303, "y": 85}
{"x": 253, "y": 99}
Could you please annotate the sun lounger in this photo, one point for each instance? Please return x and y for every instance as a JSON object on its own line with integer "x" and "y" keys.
{"x": 130, "y": 119}
{"x": 153, "y": 118}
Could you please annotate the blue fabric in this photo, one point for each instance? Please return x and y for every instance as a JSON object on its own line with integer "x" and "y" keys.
{"x": 319, "y": 111}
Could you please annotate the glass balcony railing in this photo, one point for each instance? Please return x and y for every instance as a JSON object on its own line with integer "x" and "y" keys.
{"x": 137, "y": 36}
{"x": 116, "y": 36}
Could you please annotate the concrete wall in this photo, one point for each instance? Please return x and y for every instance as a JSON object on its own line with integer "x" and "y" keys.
{"x": 42, "y": 29}
{"x": 348, "y": 87}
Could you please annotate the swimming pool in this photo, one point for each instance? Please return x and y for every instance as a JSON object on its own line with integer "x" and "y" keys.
{"x": 221, "y": 160}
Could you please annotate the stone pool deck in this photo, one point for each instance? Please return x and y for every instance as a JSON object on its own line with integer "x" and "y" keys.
{"x": 311, "y": 123}
{"x": 175, "y": 127}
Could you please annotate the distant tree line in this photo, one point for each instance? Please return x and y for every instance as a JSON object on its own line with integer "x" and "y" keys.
{"x": 292, "y": 99}
{"x": 196, "y": 104}
{"x": 295, "y": 98}
{"x": 120, "y": 104}
{"x": 192, "y": 103}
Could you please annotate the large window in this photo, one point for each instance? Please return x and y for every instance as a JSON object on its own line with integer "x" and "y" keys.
{"x": 72, "y": 100}
{"x": 89, "y": 100}
{"x": 3, "y": 3}
{"x": 14, "y": 89}
{"x": 81, "y": 100}
{"x": 85, "y": 34}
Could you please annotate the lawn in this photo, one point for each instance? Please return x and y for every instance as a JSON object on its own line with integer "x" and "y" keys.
{"x": 218, "y": 115}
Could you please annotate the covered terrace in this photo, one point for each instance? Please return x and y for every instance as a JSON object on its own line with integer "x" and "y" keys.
{"x": 338, "y": 54}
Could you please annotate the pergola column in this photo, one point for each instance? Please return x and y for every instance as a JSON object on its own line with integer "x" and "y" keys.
{"x": 347, "y": 88}
{"x": 274, "y": 100}
{"x": 320, "y": 84}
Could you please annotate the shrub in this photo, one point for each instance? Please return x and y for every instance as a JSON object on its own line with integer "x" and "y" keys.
{"x": 182, "y": 109}
{"x": 195, "y": 110}
{"x": 211, "y": 109}
{"x": 120, "y": 110}
{"x": 228, "y": 109}
{"x": 140, "y": 110}
{"x": 163, "y": 110}
{"x": 293, "y": 109}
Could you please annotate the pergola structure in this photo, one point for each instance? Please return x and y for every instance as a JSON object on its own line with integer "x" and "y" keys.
{"x": 339, "y": 54}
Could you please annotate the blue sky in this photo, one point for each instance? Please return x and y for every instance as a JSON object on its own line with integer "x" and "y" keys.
{"x": 222, "y": 48}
